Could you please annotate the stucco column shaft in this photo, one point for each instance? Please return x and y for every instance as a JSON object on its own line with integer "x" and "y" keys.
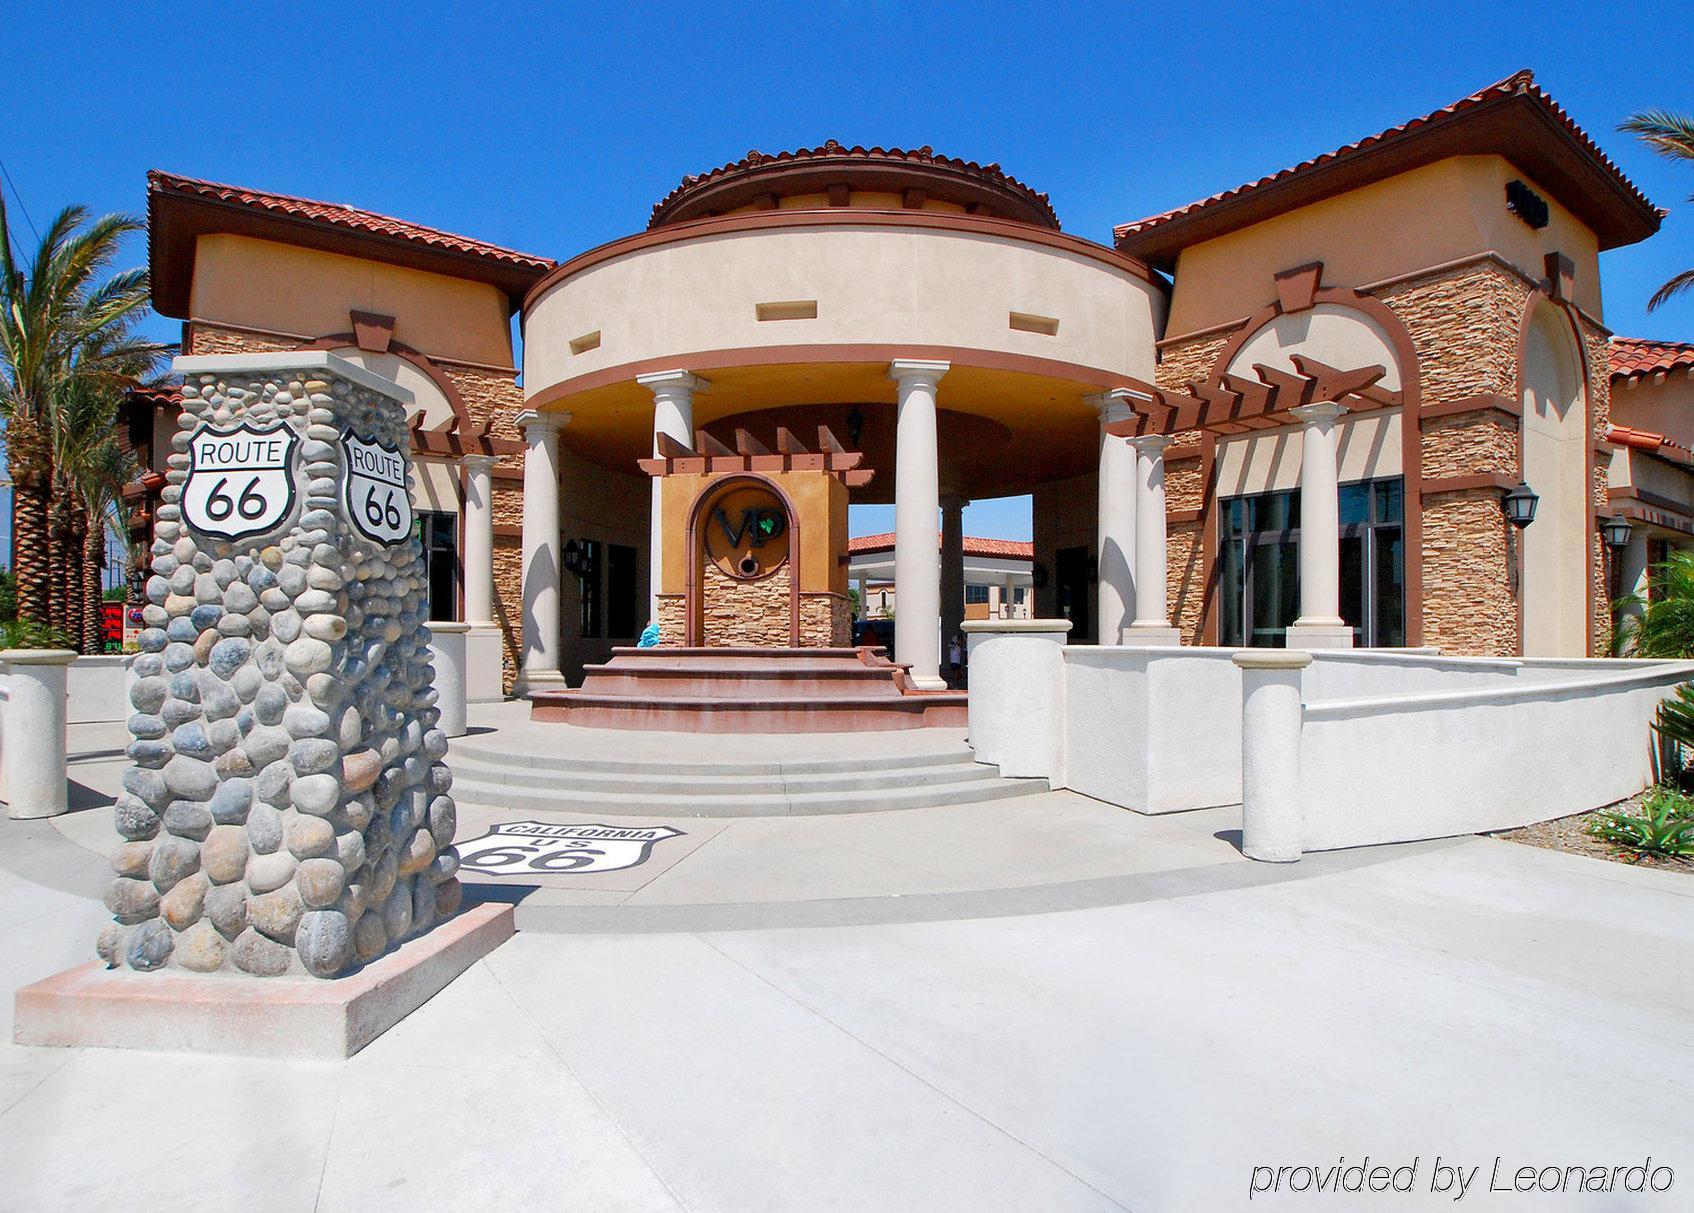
{"x": 917, "y": 558}
{"x": 952, "y": 569}
{"x": 448, "y": 661}
{"x": 1271, "y": 793}
{"x": 673, "y": 415}
{"x": 1633, "y": 578}
{"x": 539, "y": 669}
{"x": 34, "y": 753}
{"x": 479, "y": 538}
{"x": 1319, "y": 625}
{"x": 1152, "y": 621}
{"x": 1114, "y": 553}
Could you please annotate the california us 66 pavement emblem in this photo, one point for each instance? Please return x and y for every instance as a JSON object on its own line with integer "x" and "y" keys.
{"x": 532, "y": 848}
{"x": 240, "y": 482}
{"x": 374, "y": 490}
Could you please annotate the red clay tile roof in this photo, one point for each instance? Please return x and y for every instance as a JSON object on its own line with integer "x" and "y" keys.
{"x": 1649, "y": 442}
{"x": 851, "y": 162}
{"x": 180, "y": 209}
{"x": 1006, "y": 549}
{"x": 1635, "y": 357}
{"x": 1155, "y": 238}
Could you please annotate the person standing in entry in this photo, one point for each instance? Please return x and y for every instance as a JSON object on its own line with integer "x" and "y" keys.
{"x": 956, "y": 659}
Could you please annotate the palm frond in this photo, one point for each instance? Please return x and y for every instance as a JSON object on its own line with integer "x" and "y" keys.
{"x": 1666, "y": 133}
{"x": 1682, "y": 282}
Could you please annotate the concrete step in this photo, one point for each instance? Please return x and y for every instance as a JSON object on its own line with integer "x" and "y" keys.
{"x": 500, "y": 754}
{"x": 817, "y": 714}
{"x": 539, "y": 800}
{"x": 728, "y": 783}
{"x": 676, "y": 681}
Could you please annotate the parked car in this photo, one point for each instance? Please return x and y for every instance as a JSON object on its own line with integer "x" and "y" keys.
{"x": 875, "y": 631}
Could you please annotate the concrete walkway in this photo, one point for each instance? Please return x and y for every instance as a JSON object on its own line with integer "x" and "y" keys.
{"x": 1473, "y": 999}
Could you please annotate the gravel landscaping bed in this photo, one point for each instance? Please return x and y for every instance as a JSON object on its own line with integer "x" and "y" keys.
{"x": 1571, "y": 834}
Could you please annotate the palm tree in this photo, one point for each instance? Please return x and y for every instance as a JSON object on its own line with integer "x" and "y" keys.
{"x": 93, "y": 466}
{"x": 1663, "y": 621}
{"x": 59, "y": 327}
{"x": 1670, "y": 135}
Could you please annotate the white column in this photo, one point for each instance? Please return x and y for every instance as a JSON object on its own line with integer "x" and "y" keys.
{"x": 917, "y": 558}
{"x": 1271, "y": 720}
{"x": 864, "y": 597}
{"x": 952, "y": 569}
{"x": 1320, "y": 625}
{"x": 34, "y": 755}
{"x": 1152, "y": 621}
{"x": 673, "y": 414}
{"x": 447, "y": 659}
{"x": 1114, "y": 532}
{"x": 539, "y": 669}
{"x": 1008, "y": 599}
{"x": 479, "y": 538}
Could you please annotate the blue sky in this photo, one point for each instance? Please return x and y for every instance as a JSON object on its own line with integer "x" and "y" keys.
{"x": 552, "y": 129}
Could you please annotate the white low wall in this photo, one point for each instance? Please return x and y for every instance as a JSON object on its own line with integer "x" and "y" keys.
{"x": 97, "y": 689}
{"x": 1155, "y": 729}
{"x": 1430, "y": 764}
{"x": 1395, "y": 745}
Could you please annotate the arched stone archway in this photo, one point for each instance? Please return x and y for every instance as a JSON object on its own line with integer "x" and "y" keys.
{"x": 1554, "y": 577}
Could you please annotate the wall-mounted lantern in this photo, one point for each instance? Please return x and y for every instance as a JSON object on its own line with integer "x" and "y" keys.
{"x": 855, "y": 426}
{"x": 1520, "y": 504}
{"x": 573, "y": 556}
{"x": 1616, "y": 531}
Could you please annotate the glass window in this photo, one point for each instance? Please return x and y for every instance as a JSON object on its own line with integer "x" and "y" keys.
{"x": 1259, "y": 565}
{"x": 976, "y": 595}
{"x": 623, "y": 621}
{"x": 439, "y": 536}
{"x": 588, "y": 579}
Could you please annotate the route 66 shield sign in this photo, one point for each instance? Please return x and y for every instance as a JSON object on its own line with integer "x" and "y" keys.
{"x": 538, "y": 848}
{"x": 241, "y": 481}
{"x": 374, "y": 489}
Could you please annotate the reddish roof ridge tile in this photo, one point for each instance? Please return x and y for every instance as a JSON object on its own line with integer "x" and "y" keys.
{"x": 1637, "y": 357}
{"x": 341, "y": 215}
{"x": 1522, "y": 81}
{"x": 975, "y": 545}
{"x": 831, "y": 147}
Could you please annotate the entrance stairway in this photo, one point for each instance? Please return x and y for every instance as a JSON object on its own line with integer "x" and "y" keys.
{"x": 750, "y": 690}
{"x": 842, "y": 778}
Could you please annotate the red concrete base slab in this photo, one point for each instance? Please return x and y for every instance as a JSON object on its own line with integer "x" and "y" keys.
{"x": 301, "y": 1017}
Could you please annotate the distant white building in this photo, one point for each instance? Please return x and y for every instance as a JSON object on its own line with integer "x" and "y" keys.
{"x": 998, "y": 582}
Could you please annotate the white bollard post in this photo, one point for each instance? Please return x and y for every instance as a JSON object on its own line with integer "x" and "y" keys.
{"x": 35, "y": 744}
{"x": 447, "y": 652}
{"x": 1271, "y": 794}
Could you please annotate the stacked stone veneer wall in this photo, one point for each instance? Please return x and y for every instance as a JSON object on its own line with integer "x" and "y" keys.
{"x": 288, "y": 810}
{"x": 1464, "y": 323}
{"x": 491, "y": 397}
{"x": 754, "y": 614}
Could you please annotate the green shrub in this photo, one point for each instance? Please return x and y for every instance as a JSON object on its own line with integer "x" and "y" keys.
{"x": 28, "y": 634}
{"x": 1662, "y": 824}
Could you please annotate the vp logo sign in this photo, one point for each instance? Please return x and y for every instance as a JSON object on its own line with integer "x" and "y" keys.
{"x": 241, "y": 481}
{"x": 374, "y": 490}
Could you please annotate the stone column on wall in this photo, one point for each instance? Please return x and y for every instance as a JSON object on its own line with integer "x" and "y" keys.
{"x": 539, "y": 669}
{"x": 1152, "y": 620}
{"x": 287, "y": 809}
{"x": 1320, "y": 625}
{"x": 1115, "y": 532}
{"x": 917, "y": 558}
{"x": 673, "y": 415}
{"x": 952, "y": 568}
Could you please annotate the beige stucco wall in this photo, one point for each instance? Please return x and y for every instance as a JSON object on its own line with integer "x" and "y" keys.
{"x": 880, "y": 285}
{"x": 1334, "y": 334}
{"x": 1415, "y": 220}
{"x": 280, "y": 288}
{"x": 1269, "y": 461}
{"x": 1665, "y": 407}
{"x": 1555, "y": 441}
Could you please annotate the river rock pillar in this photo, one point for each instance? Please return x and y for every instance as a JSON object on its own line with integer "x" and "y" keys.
{"x": 287, "y": 810}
